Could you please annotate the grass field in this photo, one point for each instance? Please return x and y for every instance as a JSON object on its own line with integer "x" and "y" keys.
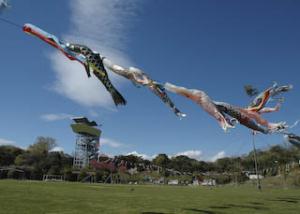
{"x": 24, "y": 197}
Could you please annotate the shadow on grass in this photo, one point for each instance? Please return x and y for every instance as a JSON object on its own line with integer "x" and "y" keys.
{"x": 201, "y": 211}
{"x": 228, "y": 206}
{"x": 289, "y": 198}
{"x": 248, "y": 206}
{"x": 292, "y": 201}
{"x": 219, "y": 207}
{"x": 154, "y": 213}
{"x": 256, "y": 203}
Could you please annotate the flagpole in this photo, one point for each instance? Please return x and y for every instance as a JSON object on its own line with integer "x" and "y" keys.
{"x": 255, "y": 161}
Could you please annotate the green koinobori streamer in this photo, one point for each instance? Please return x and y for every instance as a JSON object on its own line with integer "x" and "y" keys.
{"x": 94, "y": 62}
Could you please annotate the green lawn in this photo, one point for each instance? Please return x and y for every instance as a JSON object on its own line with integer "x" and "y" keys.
{"x": 39, "y": 197}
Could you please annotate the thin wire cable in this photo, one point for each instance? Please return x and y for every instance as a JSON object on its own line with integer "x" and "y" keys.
{"x": 10, "y": 22}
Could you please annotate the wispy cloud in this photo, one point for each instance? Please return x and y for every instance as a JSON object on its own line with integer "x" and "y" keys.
{"x": 56, "y": 117}
{"x": 93, "y": 113}
{"x": 219, "y": 155}
{"x": 111, "y": 143}
{"x": 194, "y": 154}
{"x": 103, "y": 25}
{"x": 144, "y": 156}
{"x": 6, "y": 142}
{"x": 57, "y": 149}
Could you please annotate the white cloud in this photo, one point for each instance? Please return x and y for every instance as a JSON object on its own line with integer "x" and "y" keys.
{"x": 93, "y": 113}
{"x": 6, "y": 142}
{"x": 103, "y": 26}
{"x": 219, "y": 155}
{"x": 110, "y": 143}
{"x": 144, "y": 156}
{"x": 106, "y": 155}
{"x": 194, "y": 154}
{"x": 57, "y": 149}
{"x": 56, "y": 117}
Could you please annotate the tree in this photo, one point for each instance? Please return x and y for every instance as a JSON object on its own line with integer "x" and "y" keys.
{"x": 8, "y": 154}
{"x": 54, "y": 163}
{"x": 39, "y": 157}
{"x": 183, "y": 163}
{"x": 226, "y": 165}
{"x": 42, "y": 146}
{"x": 68, "y": 174}
{"x": 161, "y": 160}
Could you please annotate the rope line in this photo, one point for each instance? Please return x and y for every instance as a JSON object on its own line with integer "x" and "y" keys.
{"x": 10, "y": 22}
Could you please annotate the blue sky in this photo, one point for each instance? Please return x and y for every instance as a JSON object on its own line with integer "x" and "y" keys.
{"x": 215, "y": 46}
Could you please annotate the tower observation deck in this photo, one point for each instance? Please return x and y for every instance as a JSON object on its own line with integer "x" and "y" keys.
{"x": 87, "y": 141}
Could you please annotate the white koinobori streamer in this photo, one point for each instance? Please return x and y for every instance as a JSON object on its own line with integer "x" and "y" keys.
{"x": 295, "y": 124}
{"x": 4, "y": 4}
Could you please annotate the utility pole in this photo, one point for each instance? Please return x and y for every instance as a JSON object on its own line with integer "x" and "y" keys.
{"x": 255, "y": 161}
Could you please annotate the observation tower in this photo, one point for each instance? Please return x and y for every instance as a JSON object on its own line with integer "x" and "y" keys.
{"x": 87, "y": 141}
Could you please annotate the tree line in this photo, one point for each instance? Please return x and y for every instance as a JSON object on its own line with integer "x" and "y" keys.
{"x": 40, "y": 159}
